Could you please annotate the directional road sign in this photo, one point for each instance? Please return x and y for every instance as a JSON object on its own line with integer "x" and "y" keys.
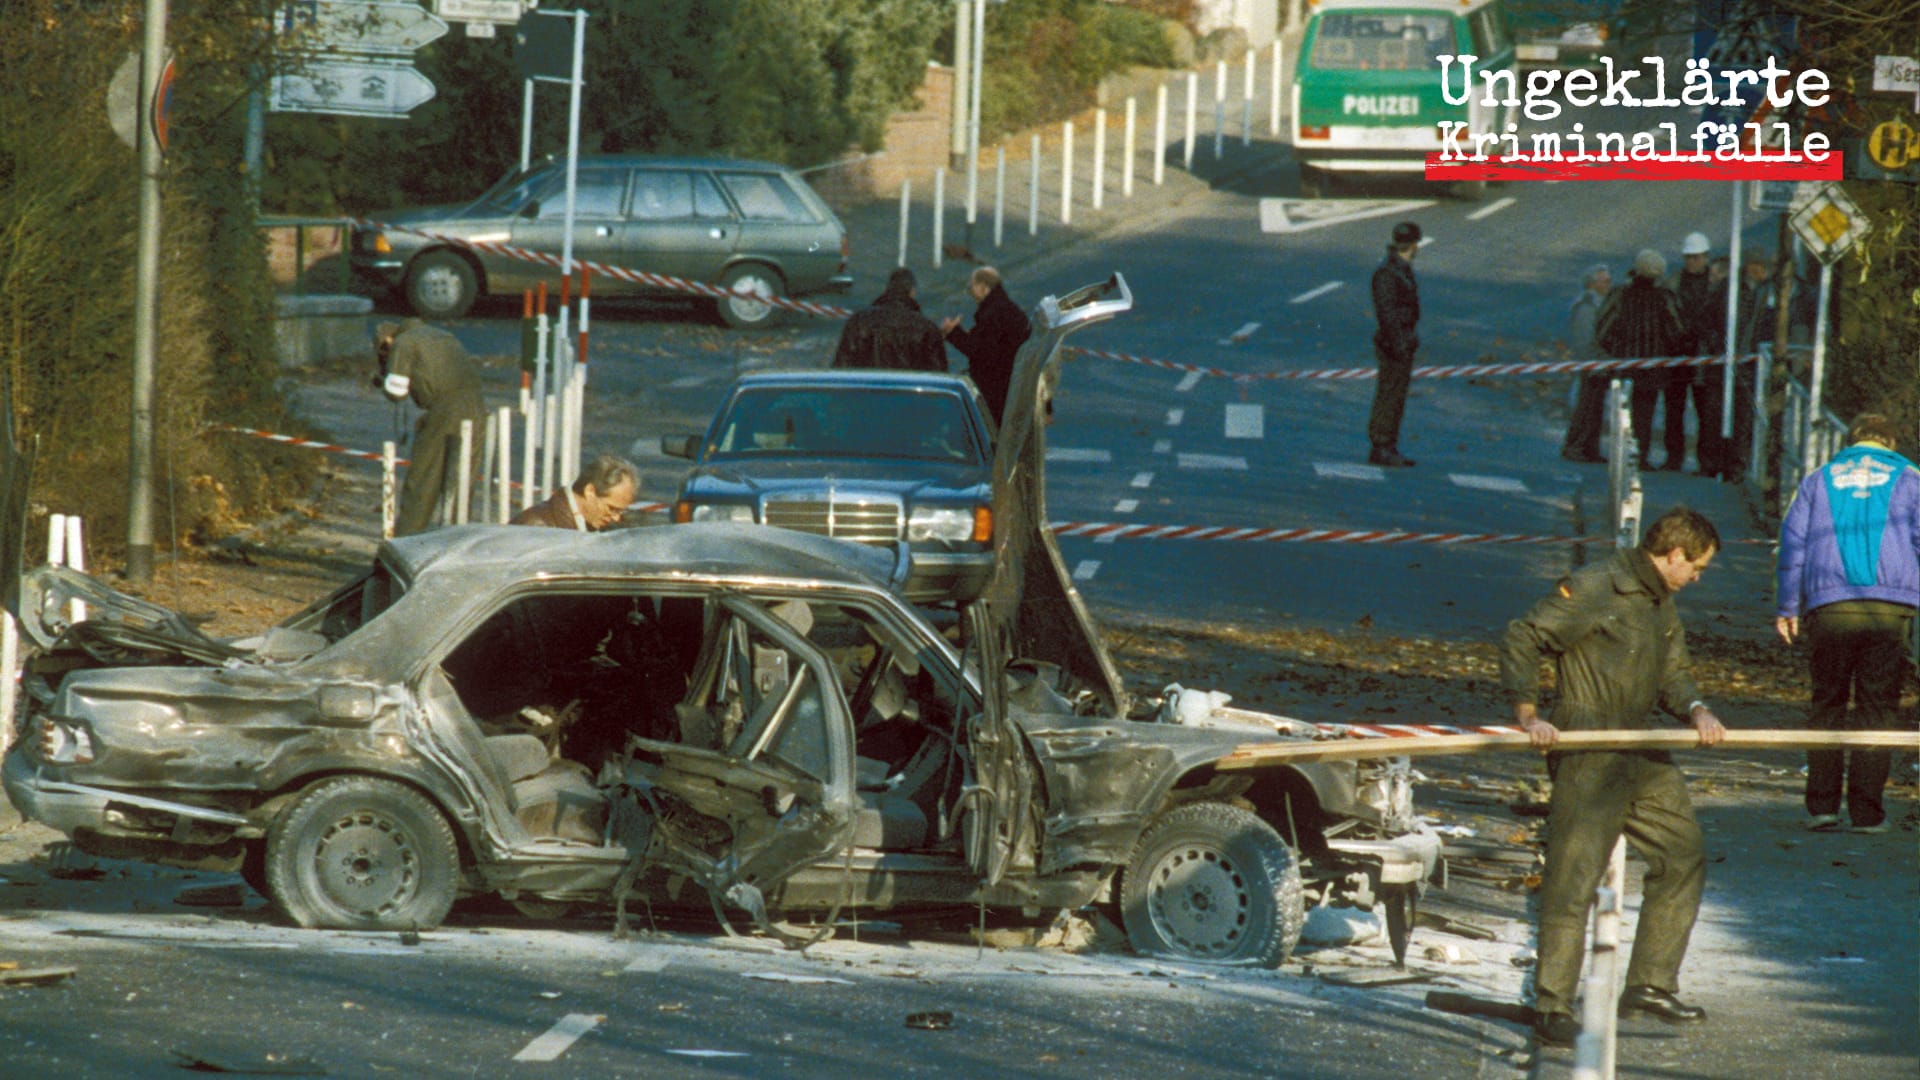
{"x": 488, "y": 11}
{"x": 1830, "y": 224}
{"x": 351, "y": 88}
{"x": 356, "y": 26}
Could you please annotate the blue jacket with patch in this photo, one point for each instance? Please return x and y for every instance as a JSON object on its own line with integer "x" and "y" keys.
{"x": 1853, "y": 533}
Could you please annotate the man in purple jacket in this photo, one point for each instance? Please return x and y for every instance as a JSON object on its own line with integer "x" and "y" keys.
{"x": 1850, "y": 562}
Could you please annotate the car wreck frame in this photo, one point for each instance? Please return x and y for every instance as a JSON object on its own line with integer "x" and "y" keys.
{"x": 747, "y": 718}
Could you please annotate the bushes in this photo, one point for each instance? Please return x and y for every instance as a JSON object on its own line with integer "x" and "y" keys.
{"x": 1045, "y": 58}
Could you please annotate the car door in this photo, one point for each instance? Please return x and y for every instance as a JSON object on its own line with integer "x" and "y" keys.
{"x": 760, "y": 781}
{"x": 993, "y": 810}
{"x": 599, "y": 229}
{"x": 779, "y": 228}
{"x": 679, "y": 225}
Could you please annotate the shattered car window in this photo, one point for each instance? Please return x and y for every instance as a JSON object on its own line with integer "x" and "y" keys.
{"x": 351, "y": 606}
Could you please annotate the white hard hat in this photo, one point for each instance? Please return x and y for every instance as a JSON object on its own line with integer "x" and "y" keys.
{"x": 1695, "y": 244}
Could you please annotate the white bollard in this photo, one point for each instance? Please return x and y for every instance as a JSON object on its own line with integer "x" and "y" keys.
{"x": 973, "y": 189}
{"x": 1066, "y": 173}
{"x": 9, "y": 677}
{"x": 489, "y": 439}
{"x": 76, "y": 558}
{"x": 503, "y": 498}
{"x": 906, "y": 196}
{"x": 1273, "y": 106}
{"x": 1193, "y": 104}
{"x": 1099, "y": 157}
{"x": 939, "y": 210}
{"x": 1126, "y": 175}
{"x": 56, "y": 540}
{"x": 529, "y": 487}
{"x": 1246, "y": 103}
{"x": 999, "y": 193}
{"x": 1160, "y": 135}
{"x": 549, "y": 440}
{"x": 1219, "y": 109}
{"x": 1033, "y": 189}
{"x": 387, "y": 459}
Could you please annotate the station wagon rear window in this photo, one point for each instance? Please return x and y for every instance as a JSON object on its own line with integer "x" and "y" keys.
{"x": 765, "y": 197}
{"x": 1381, "y": 41}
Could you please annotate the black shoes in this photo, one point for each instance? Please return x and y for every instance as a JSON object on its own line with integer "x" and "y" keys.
{"x": 1672, "y": 465}
{"x": 1583, "y": 457}
{"x": 1390, "y": 457}
{"x": 1655, "y": 1002}
{"x": 1556, "y": 1029}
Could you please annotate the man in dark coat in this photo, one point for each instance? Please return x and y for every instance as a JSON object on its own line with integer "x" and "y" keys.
{"x": 1619, "y": 651}
{"x": 1396, "y": 308}
{"x": 892, "y": 333}
{"x": 1584, "y": 427}
{"x": 1703, "y": 332}
{"x": 999, "y": 329}
{"x": 428, "y": 365}
{"x": 1642, "y": 320}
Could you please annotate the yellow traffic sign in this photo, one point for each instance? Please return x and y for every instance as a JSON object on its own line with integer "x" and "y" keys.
{"x": 1830, "y": 223}
{"x": 1893, "y": 144}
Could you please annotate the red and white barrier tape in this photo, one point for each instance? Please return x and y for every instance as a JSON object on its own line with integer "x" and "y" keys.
{"x": 1117, "y": 531}
{"x": 621, "y": 273}
{"x": 1408, "y": 731}
{"x": 1438, "y": 371}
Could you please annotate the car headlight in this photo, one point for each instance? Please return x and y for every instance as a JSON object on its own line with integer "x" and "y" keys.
{"x": 950, "y": 523}
{"x": 59, "y": 742}
{"x": 721, "y": 512}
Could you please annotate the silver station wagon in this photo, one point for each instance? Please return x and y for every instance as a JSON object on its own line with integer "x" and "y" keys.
{"x": 750, "y": 227}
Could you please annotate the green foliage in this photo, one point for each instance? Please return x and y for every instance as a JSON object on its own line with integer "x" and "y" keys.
{"x": 68, "y": 229}
{"x": 1045, "y": 58}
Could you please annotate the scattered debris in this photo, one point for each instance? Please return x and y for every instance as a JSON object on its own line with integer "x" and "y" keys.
{"x": 1375, "y": 977}
{"x": 671, "y": 1007}
{"x": 215, "y": 896}
{"x": 1450, "y": 954}
{"x": 1523, "y": 958}
{"x": 1433, "y": 920}
{"x": 14, "y": 975}
{"x": 409, "y": 937}
{"x": 69, "y": 863}
{"x": 781, "y": 976}
{"x": 269, "y": 1064}
{"x": 1341, "y": 926}
{"x": 930, "y": 1021}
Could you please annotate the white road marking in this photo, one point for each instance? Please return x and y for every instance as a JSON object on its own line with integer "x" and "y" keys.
{"x": 1126, "y": 506}
{"x": 1346, "y": 470}
{"x": 688, "y": 381}
{"x": 1300, "y": 215}
{"x": 1191, "y": 380}
{"x": 1240, "y": 335}
{"x": 1507, "y": 485}
{"x": 1212, "y": 461}
{"x": 1174, "y": 416}
{"x": 711, "y": 1053}
{"x": 558, "y": 1037}
{"x": 1142, "y": 480}
{"x": 653, "y": 961}
{"x": 1246, "y": 421}
{"x": 1068, "y": 453}
{"x": 1492, "y": 208}
{"x": 1316, "y": 293}
{"x": 1162, "y": 446}
{"x": 1086, "y": 569}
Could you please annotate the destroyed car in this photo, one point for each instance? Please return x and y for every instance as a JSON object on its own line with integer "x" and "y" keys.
{"x": 872, "y": 456}
{"x": 718, "y": 715}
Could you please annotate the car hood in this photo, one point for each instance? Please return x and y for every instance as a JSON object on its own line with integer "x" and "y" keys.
{"x": 424, "y": 215}
{"x": 868, "y": 475}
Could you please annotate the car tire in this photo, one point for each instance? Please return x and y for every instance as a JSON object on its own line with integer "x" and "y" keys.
{"x": 362, "y": 853}
{"x": 441, "y": 285}
{"x": 755, "y": 278}
{"x": 1212, "y": 883}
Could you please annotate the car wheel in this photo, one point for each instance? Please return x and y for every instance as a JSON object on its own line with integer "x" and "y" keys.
{"x": 1213, "y": 883}
{"x": 362, "y": 853}
{"x": 740, "y": 312}
{"x": 441, "y": 285}
{"x": 1313, "y": 183}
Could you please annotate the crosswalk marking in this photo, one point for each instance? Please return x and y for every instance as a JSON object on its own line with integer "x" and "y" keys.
{"x": 1068, "y": 453}
{"x": 1212, "y": 461}
{"x": 1346, "y": 470}
{"x": 1162, "y": 446}
{"x": 1316, "y": 293}
{"x": 558, "y": 1037}
{"x": 1191, "y": 380}
{"x": 1142, "y": 480}
{"x": 1246, "y": 421}
{"x": 1174, "y": 416}
{"x": 1126, "y": 506}
{"x": 1240, "y": 335}
{"x": 1492, "y": 208}
{"x": 1086, "y": 569}
{"x": 1506, "y": 485}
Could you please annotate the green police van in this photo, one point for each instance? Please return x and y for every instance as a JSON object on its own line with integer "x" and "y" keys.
{"x": 1366, "y": 88}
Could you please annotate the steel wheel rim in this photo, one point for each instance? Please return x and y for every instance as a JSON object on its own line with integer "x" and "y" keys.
{"x": 367, "y": 864}
{"x": 440, "y": 285}
{"x": 1199, "y": 901}
{"x": 750, "y": 310}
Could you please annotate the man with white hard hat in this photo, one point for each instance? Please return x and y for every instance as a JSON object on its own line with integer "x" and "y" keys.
{"x": 1703, "y": 321}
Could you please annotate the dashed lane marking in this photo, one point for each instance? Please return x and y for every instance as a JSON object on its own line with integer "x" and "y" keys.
{"x": 1143, "y": 480}
{"x": 1212, "y": 461}
{"x": 1192, "y": 379}
{"x": 1492, "y": 208}
{"x": 649, "y": 962}
{"x": 1316, "y": 293}
{"x": 1174, "y": 416}
{"x": 1506, "y": 485}
{"x": 687, "y": 382}
{"x": 1346, "y": 470}
{"x": 1240, "y": 335}
{"x": 1086, "y": 569}
{"x": 1246, "y": 421}
{"x": 1162, "y": 446}
{"x": 561, "y": 1035}
{"x": 1068, "y": 453}
{"x": 1126, "y": 506}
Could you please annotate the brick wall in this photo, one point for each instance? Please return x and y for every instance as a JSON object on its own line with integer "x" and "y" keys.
{"x": 916, "y": 143}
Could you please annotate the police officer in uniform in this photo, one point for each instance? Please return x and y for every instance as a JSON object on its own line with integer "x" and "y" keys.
{"x": 1618, "y": 648}
{"x": 1396, "y": 309}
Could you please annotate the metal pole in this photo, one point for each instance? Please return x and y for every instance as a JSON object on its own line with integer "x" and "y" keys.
{"x": 526, "y": 124}
{"x": 906, "y": 196}
{"x": 503, "y": 500}
{"x": 939, "y": 210}
{"x": 1219, "y": 109}
{"x": 1033, "y": 189}
{"x": 1818, "y": 374}
{"x": 1160, "y": 135}
{"x": 1246, "y": 103}
{"x": 1193, "y": 104}
{"x": 1127, "y": 149}
{"x": 1733, "y": 304}
{"x": 1099, "y": 157}
{"x": 1066, "y": 173}
{"x": 489, "y": 441}
{"x": 962, "y": 53}
{"x": 973, "y": 117}
{"x": 574, "y": 88}
{"x": 999, "y": 193}
{"x": 1273, "y": 106}
{"x": 146, "y": 303}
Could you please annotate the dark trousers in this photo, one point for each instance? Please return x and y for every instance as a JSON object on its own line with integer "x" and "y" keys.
{"x": 1707, "y": 387}
{"x": 432, "y": 467}
{"x": 1740, "y": 447}
{"x": 1649, "y": 388}
{"x": 1588, "y": 421}
{"x": 1389, "y": 398}
{"x": 1598, "y": 796}
{"x": 1859, "y": 651}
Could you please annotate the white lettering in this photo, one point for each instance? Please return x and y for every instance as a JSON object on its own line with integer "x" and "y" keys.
{"x": 1466, "y": 78}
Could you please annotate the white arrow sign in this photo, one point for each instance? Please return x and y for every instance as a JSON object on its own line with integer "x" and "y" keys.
{"x": 489, "y": 11}
{"x": 355, "y": 26}
{"x": 351, "y": 88}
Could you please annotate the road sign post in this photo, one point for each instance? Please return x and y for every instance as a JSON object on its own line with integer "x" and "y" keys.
{"x": 1830, "y": 224}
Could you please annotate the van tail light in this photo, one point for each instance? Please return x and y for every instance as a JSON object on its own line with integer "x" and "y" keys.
{"x": 1315, "y": 132}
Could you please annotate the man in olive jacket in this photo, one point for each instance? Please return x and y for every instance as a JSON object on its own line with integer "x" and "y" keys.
{"x": 1618, "y": 648}
{"x": 429, "y": 365}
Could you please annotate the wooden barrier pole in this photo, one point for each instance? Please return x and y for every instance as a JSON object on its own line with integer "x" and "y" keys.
{"x": 1257, "y": 754}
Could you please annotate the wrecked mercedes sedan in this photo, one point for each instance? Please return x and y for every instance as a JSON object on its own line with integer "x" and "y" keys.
{"x": 719, "y": 715}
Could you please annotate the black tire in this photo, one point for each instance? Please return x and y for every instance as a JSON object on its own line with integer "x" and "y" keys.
{"x": 1313, "y": 183}
{"x": 1212, "y": 883}
{"x": 441, "y": 285}
{"x": 362, "y": 853}
{"x": 756, "y": 278}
